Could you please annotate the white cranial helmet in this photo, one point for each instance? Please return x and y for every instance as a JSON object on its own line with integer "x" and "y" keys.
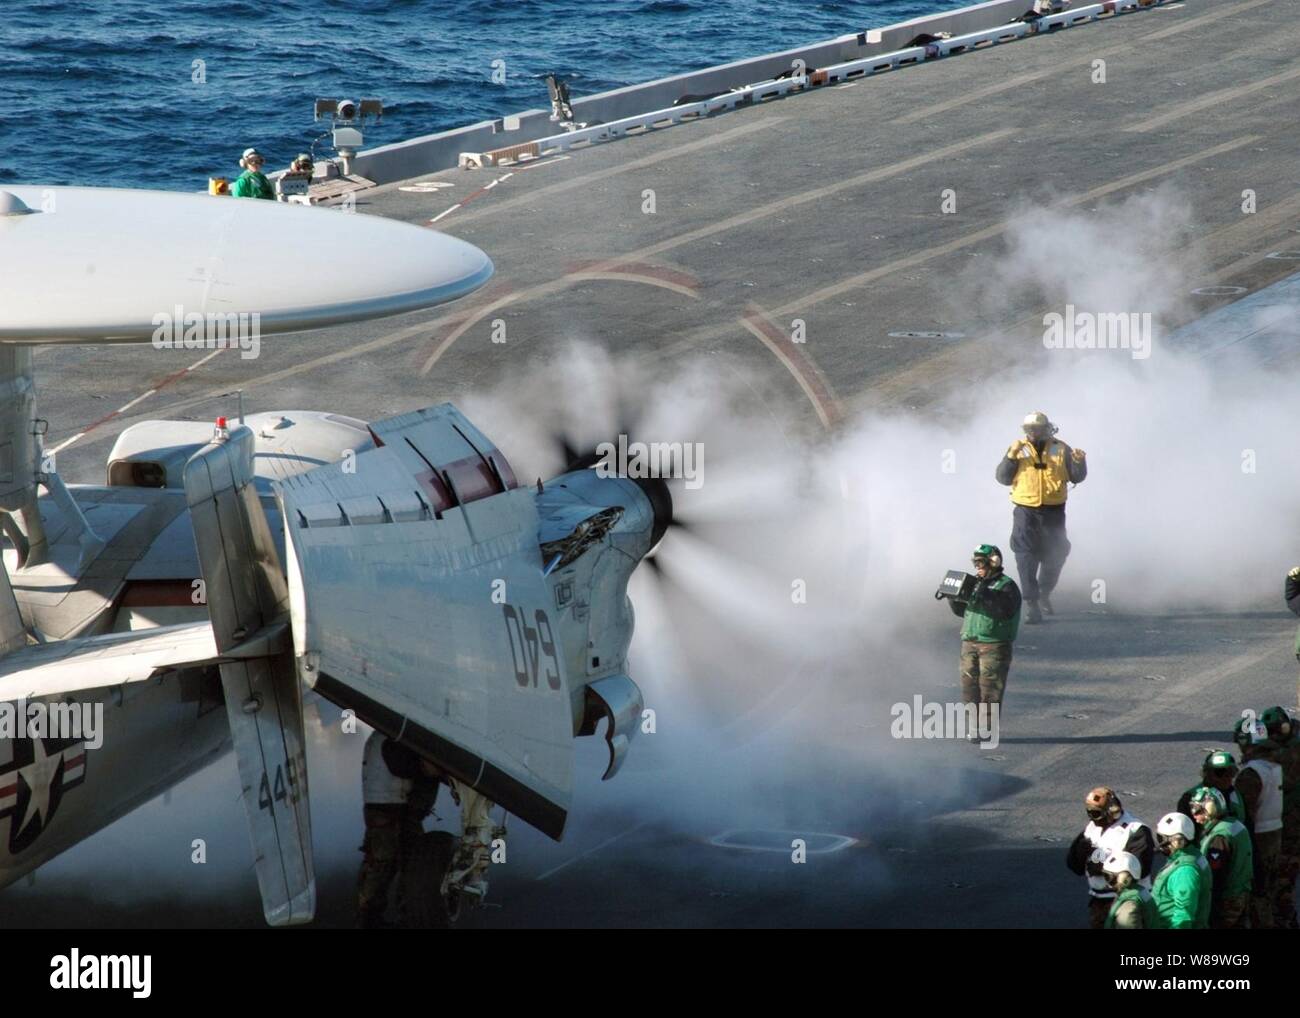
{"x": 1176, "y": 823}
{"x": 1123, "y": 862}
{"x": 1038, "y": 423}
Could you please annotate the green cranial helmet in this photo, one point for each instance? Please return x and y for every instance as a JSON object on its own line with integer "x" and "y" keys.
{"x": 1219, "y": 760}
{"x": 1278, "y": 723}
{"x": 988, "y": 554}
{"x": 1250, "y": 732}
{"x": 1209, "y": 801}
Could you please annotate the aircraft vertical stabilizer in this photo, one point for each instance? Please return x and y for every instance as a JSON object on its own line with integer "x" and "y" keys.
{"x": 248, "y": 604}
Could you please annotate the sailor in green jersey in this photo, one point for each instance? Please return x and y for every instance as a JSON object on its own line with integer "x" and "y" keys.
{"x": 252, "y": 183}
{"x": 1183, "y": 886}
{"x": 990, "y": 621}
{"x": 1218, "y": 770}
{"x": 1283, "y": 731}
{"x": 1225, "y": 844}
{"x": 1134, "y": 908}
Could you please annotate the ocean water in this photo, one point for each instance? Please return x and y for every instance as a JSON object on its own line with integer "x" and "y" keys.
{"x": 104, "y": 93}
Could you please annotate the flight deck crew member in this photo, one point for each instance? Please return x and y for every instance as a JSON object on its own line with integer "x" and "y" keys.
{"x": 399, "y": 790}
{"x": 1039, "y": 468}
{"x": 1225, "y": 843}
{"x": 1282, "y": 730}
{"x": 1219, "y": 770}
{"x": 1111, "y": 829}
{"x": 1134, "y": 908}
{"x": 1260, "y": 785}
{"x": 1182, "y": 888}
{"x": 252, "y": 183}
{"x": 990, "y": 620}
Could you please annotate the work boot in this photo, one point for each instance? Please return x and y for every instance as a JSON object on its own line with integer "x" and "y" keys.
{"x": 1032, "y": 615}
{"x": 1046, "y": 603}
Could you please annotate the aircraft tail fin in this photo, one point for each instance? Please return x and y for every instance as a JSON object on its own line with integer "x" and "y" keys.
{"x": 247, "y": 597}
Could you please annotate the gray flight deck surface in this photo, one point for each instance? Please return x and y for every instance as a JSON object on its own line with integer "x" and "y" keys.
{"x": 825, "y": 206}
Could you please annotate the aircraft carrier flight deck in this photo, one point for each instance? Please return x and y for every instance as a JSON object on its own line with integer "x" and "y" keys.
{"x": 877, "y": 212}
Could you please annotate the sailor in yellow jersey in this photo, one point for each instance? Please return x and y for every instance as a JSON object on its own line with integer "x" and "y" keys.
{"x": 1039, "y": 469}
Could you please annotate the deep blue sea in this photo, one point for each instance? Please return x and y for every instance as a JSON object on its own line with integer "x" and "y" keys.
{"x": 103, "y": 93}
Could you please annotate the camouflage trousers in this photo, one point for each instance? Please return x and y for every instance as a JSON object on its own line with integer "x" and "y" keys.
{"x": 1229, "y": 913}
{"x": 388, "y": 827}
{"x": 984, "y": 668}
{"x": 1268, "y": 847}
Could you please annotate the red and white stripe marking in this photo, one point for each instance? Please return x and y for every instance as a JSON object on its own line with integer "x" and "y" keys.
{"x": 489, "y": 186}
{"x": 469, "y": 198}
{"x": 128, "y": 405}
{"x": 74, "y": 767}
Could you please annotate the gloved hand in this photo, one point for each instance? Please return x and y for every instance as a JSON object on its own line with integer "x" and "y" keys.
{"x": 1078, "y": 455}
{"x": 1294, "y": 574}
{"x": 1013, "y": 450}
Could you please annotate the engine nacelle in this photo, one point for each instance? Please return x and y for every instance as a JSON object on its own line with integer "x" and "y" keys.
{"x": 594, "y": 531}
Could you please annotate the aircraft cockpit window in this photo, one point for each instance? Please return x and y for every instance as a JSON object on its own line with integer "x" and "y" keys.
{"x": 137, "y": 474}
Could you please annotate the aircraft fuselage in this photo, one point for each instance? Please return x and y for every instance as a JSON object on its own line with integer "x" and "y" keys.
{"x": 57, "y": 792}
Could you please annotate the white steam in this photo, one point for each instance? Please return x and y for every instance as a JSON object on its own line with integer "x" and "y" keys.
{"x": 767, "y": 707}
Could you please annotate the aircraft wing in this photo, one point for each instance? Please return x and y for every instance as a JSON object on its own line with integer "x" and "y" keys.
{"x": 418, "y": 601}
{"x": 69, "y": 666}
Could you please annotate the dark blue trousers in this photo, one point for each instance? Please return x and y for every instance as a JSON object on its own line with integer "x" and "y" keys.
{"x": 1041, "y": 547}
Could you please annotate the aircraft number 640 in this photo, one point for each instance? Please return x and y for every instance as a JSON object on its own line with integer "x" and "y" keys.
{"x": 532, "y": 648}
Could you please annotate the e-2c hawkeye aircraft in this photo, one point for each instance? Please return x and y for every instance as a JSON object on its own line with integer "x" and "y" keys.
{"x": 396, "y": 568}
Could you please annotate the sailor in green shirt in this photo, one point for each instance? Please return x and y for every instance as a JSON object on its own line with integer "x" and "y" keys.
{"x": 990, "y": 621}
{"x": 1219, "y": 770}
{"x": 252, "y": 183}
{"x": 1134, "y": 908}
{"x": 1183, "y": 886}
{"x": 1225, "y": 844}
